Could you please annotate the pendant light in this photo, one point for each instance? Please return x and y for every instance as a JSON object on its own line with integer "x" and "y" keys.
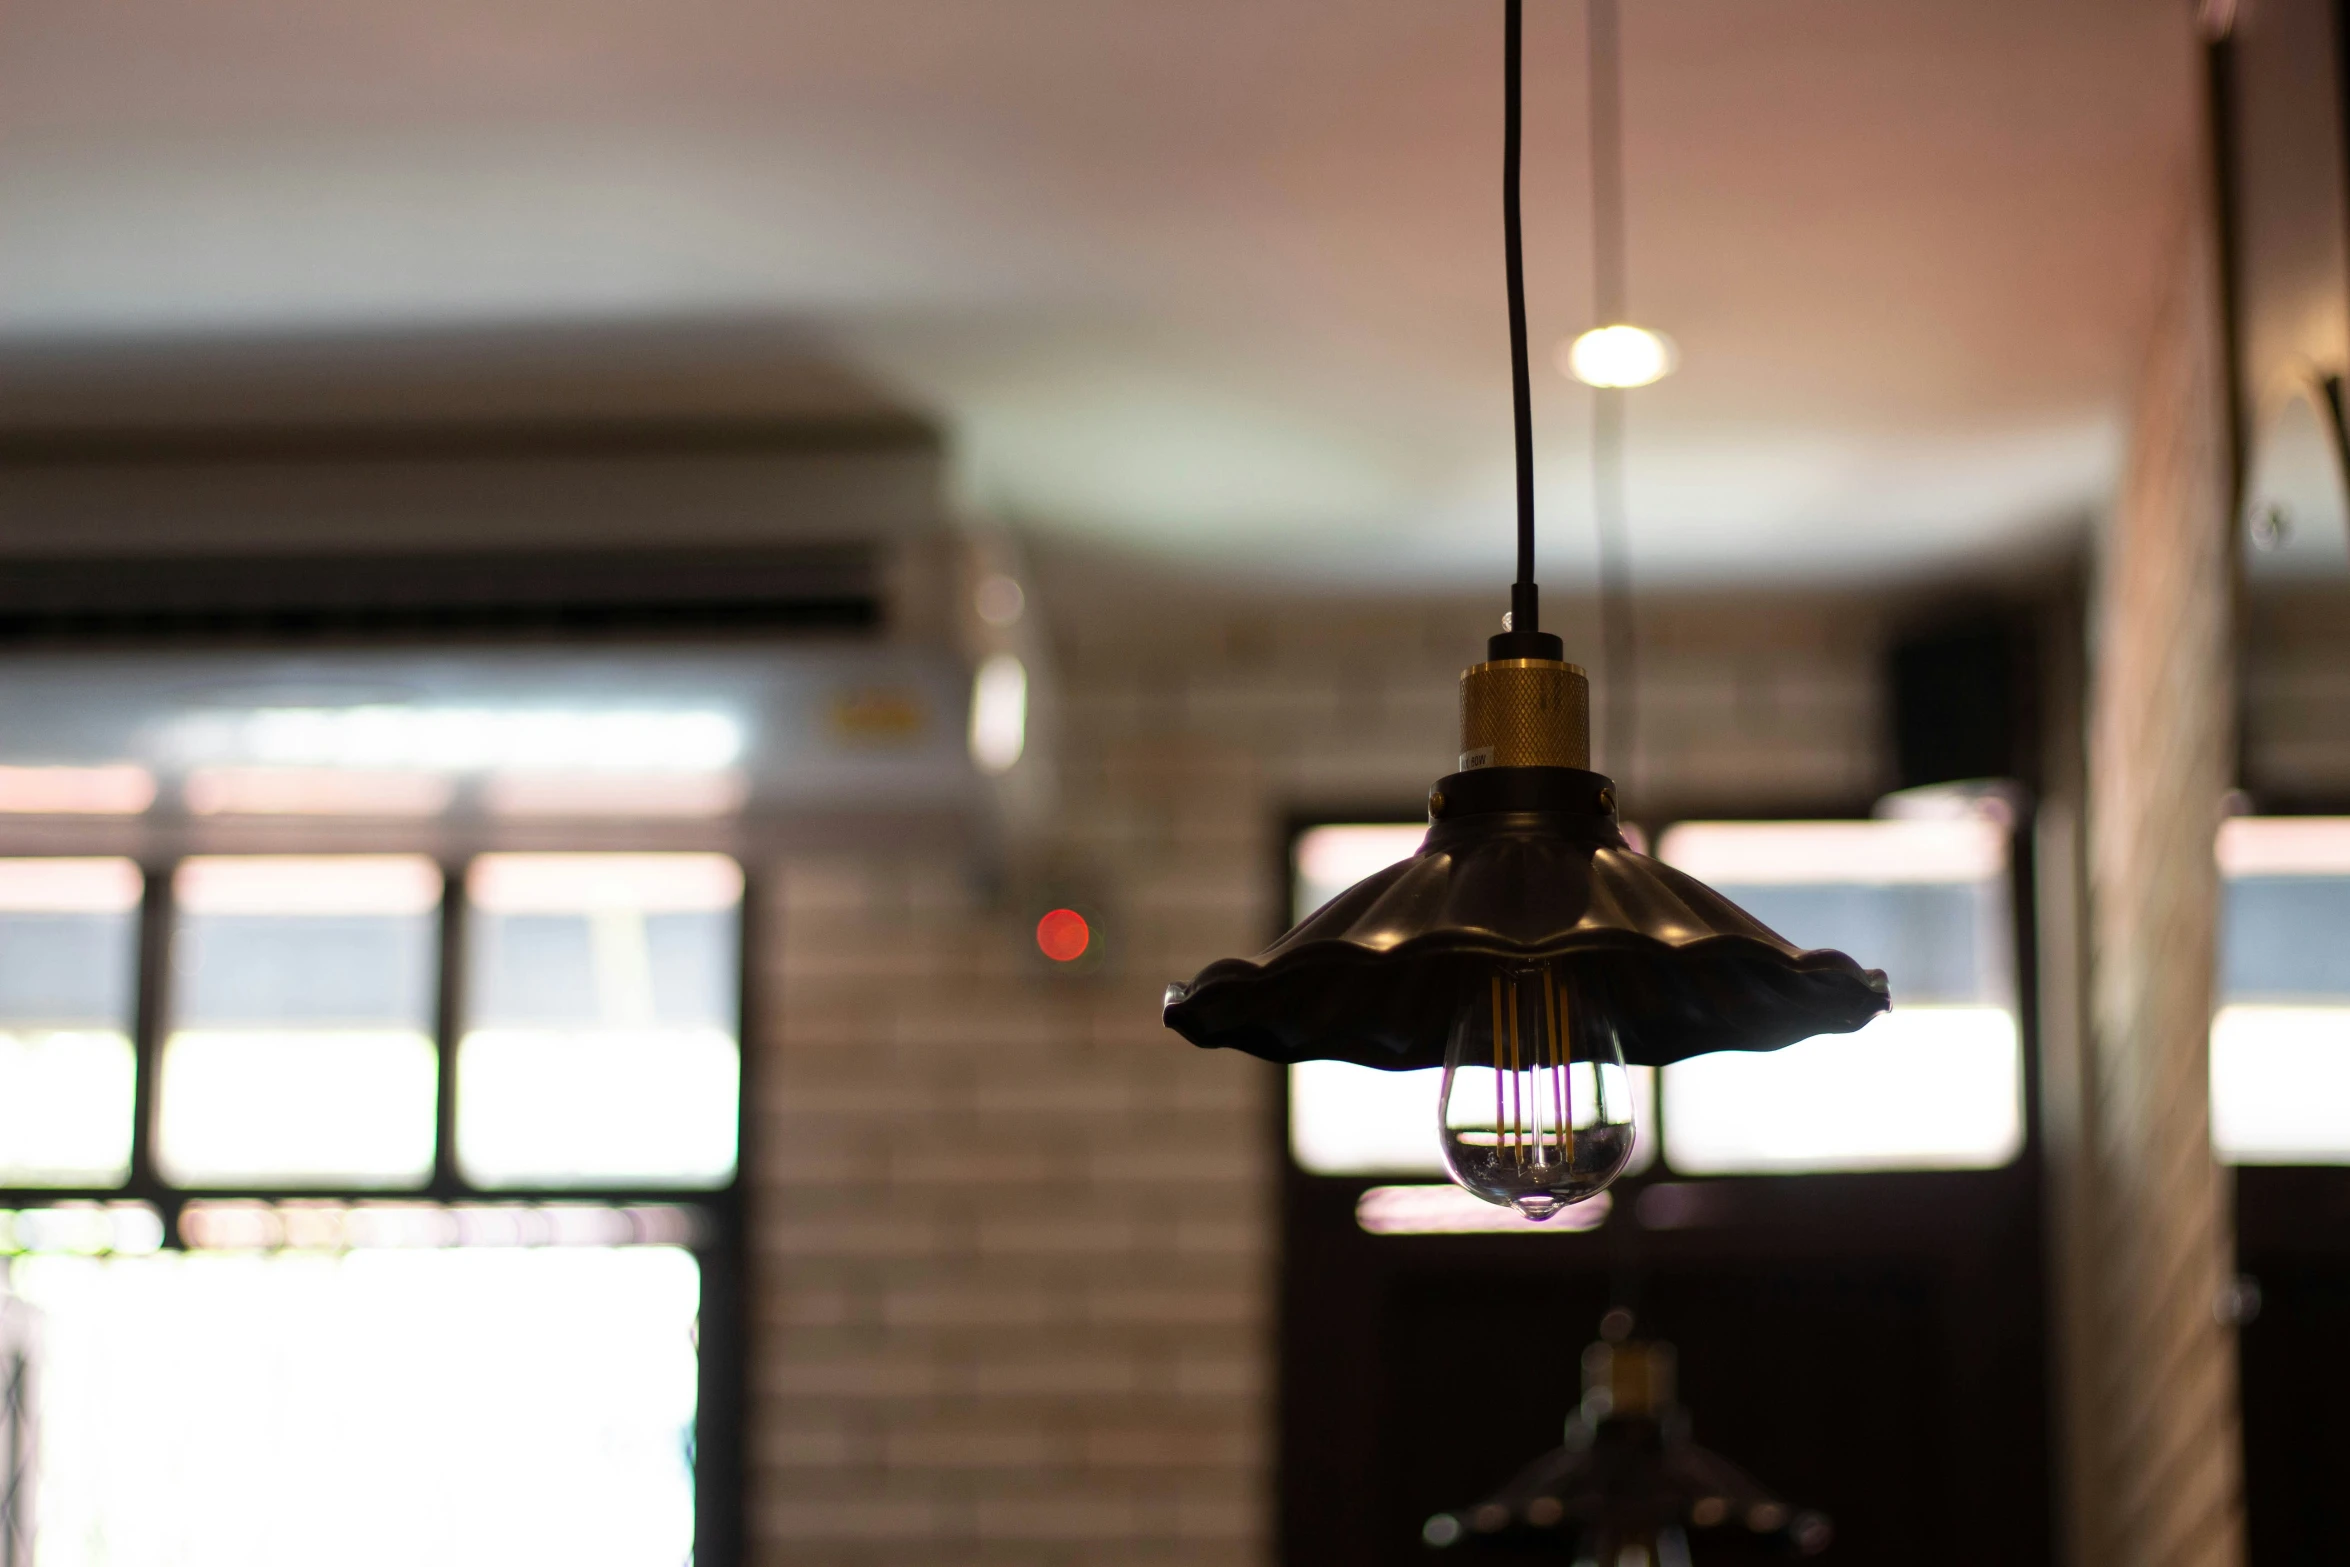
{"x": 1628, "y": 1488}
{"x": 1525, "y": 948}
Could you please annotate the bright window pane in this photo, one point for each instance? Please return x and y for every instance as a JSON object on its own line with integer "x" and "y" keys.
{"x": 376, "y": 1407}
{"x": 1920, "y": 1088}
{"x": 1448, "y": 1210}
{"x": 601, "y": 1039}
{"x": 2280, "y": 1044}
{"x": 300, "y": 1050}
{"x": 1346, "y": 1119}
{"x": 68, "y": 973}
{"x": 1357, "y": 1120}
{"x": 1325, "y": 861}
{"x": 1935, "y": 1084}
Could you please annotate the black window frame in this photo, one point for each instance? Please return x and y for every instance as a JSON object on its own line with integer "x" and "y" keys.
{"x": 1975, "y": 1240}
{"x": 720, "y": 1241}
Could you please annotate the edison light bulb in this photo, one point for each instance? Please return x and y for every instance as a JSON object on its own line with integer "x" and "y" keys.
{"x": 1537, "y": 1103}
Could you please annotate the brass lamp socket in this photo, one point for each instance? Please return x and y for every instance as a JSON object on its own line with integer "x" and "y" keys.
{"x": 1525, "y": 712}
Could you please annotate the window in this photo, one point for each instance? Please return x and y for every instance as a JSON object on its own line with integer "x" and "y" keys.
{"x": 2280, "y": 1040}
{"x": 327, "y": 1299}
{"x": 302, "y": 993}
{"x": 1908, "y": 1282}
{"x": 1357, "y": 1120}
{"x": 599, "y": 1045}
{"x": 224, "y": 1408}
{"x": 68, "y": 976}
{"x": 1937, "y": 1083}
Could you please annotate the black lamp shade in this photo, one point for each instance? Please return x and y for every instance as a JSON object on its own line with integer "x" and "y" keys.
{"x": 1627, "y": 1480}
{"x": 1523, "y": 864}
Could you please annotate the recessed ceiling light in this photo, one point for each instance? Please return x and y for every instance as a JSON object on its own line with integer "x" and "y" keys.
{"x": 1619, "y": 355}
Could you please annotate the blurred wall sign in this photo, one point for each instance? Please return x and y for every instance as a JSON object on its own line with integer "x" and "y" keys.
{"x": 872, "y": 716}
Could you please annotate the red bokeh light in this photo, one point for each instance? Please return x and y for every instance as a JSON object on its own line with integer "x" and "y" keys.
{"x": 1063, "y": 935}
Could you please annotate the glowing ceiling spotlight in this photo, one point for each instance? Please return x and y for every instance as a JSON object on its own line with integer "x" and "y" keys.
{"x": 1619, "y": 355}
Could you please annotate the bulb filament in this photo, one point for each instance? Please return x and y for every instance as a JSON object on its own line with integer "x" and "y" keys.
{"x": 1518, "y": 1094}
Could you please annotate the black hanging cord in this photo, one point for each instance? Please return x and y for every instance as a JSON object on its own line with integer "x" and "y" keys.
{"x": 1524, "y": 639}
{"x": 1524, "y": 614}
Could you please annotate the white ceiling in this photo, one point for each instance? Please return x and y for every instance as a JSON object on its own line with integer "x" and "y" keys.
{"x": 1219, "y": 279}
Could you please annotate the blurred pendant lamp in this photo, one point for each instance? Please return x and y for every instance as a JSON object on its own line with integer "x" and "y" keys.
{"x": 1525, "y": 948}
{"x": 1628, "y": 1487}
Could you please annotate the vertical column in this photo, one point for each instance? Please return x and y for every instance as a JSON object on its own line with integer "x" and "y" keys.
{"x": 2156, "y": 1446}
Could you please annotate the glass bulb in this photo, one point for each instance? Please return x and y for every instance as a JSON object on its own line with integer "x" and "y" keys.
{"x": 1537, "y": 1104}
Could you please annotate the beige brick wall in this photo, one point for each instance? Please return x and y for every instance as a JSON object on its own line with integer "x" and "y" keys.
{"x": 1011, "y": 1237}
{"x": 1014, "y": 1242}
{"x": 1748, "y": 700}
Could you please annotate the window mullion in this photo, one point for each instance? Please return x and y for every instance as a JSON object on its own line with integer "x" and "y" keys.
{"x": 448, "y": 1019}
{"x": 149, "y": 1021}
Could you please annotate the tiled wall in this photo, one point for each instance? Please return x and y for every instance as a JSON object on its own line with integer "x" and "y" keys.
{"x": 1014, "y": 1241}
{"x": 1011, "y": 1251}
{"x": 1747, "y": 701}
{"x": 1012, "y": 1237}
